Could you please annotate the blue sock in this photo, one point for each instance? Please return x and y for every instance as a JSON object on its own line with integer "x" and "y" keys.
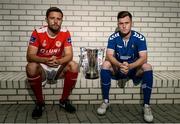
{"x": 105, "y": 82}
{"x": 147, "y": 85}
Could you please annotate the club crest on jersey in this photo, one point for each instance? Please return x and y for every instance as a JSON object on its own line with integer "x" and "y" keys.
{"x": 32, "y": 39}
{"x": 44, "y": 43}
{"x": 69, "y": 40}
{"x": 58, "y": 43}
{"x": 132, "y": 46}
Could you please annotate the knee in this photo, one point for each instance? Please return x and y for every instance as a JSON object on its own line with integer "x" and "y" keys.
{"x": 73, "y": 66}
{"x": 147, "y": 67}
{"x": 32, "y": 69}
{"x": 106, "y": 65}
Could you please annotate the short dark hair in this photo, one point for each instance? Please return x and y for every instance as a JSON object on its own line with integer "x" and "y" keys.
{"x": 123, "y": 14}
{"x": 53, "y": 9}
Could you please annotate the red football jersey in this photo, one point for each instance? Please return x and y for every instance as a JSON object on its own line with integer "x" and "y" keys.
{"x": 50, "y": 46}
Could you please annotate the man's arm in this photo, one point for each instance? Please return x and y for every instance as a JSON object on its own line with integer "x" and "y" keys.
{"x": 68, "y": 56}
{"x": 111, "y": 58}
{"x": 139, "y": 62}
{"x": 32, "y": 55}
{"x": 125, "y": 67}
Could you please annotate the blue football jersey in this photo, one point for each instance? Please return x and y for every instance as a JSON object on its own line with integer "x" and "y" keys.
{"x": 129, "y": 52}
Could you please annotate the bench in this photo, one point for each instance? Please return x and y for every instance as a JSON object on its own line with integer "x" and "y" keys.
{"x": 14, "y": 89}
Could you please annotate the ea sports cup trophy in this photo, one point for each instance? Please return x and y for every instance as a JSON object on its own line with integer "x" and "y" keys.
{"x": 91, "y": 61}
{"x": 92, "y": 71}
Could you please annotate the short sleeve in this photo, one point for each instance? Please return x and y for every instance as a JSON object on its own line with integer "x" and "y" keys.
{"x": 142, "y": 45}
{"x": 68, "y": 41}
{"x": 111, "y": 43}
{"x": 34, "y": 39}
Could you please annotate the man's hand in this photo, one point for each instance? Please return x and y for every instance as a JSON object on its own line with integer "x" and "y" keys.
{"x": 52, "y": 62}
{"x": 124, "y": 68}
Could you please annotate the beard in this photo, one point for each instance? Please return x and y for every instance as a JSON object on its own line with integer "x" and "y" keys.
{"x": 53, "y": 29}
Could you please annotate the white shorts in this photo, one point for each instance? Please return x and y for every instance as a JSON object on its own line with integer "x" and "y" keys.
{"x": 50, "y": 74}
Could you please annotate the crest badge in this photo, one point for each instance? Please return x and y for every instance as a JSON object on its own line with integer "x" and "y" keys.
{"x": 58, "y": 43}
{"x": 132, "y": 46}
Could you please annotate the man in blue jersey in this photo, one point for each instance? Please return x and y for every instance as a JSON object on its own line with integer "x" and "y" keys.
{"x": 126, "y": 57}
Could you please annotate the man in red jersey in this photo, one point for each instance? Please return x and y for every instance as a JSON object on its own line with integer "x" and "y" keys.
{"x": 49, "y": 57}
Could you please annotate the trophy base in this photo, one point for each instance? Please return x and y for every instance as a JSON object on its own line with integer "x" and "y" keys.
{"x": 91, "y": 76}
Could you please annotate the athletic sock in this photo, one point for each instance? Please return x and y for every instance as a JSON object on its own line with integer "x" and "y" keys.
{"x": 147, "y": 85}
{"x": 105, "y": 82}
{"x": 69, "y": 84}
{"x": 35, "y": 83}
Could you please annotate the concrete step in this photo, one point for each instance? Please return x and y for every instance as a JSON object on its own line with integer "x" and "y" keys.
{"x": 166, "y": 89}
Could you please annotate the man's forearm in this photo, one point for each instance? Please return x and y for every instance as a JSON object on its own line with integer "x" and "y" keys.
{"x": 65, "y": 59}
{"x": 137, "y": 63}
{"x": 114, "y": 61}
{"x": 34, "y": 58}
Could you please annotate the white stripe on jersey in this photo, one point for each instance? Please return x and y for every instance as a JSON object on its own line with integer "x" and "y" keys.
{"x": 44, "y": 29}
{"x": 63, "y": 30}
{"x": 138, "y": 35}
{"x": 41, "y": 29}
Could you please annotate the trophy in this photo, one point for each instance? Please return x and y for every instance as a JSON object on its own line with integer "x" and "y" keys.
{"x": 91, "y": 61}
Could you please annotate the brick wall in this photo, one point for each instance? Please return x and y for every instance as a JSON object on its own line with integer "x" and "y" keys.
{"x": 90, "y": 22}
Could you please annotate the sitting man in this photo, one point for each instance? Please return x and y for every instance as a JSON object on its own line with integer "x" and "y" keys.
{"x": 127, "y": 58}
{"x": 49, "y": 57}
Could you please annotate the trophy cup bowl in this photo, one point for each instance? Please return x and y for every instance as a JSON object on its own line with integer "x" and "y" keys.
{"x": 91, "y": 60}
{"x": 92, "y": 71}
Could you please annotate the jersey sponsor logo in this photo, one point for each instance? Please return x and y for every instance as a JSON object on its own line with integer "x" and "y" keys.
{"x": 119, "y": 46}
{"x": 32, "y": 39}
{"x": 58, "y": 43}
{"x": 50, "y": 51}
{"x": 125, "y": 57}
{"x": 141, "y": 37}
{"x": 114, "y": 36}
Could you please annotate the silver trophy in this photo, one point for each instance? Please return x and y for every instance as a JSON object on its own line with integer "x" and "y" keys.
{"x": 91, "y": 61}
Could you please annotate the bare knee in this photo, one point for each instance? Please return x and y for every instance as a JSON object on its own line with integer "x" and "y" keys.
{"x": 32, "y": 69}
{"x": 106, "y": 65}
{"x": 73, "y": 66}
{"x": 146, "y": 67}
